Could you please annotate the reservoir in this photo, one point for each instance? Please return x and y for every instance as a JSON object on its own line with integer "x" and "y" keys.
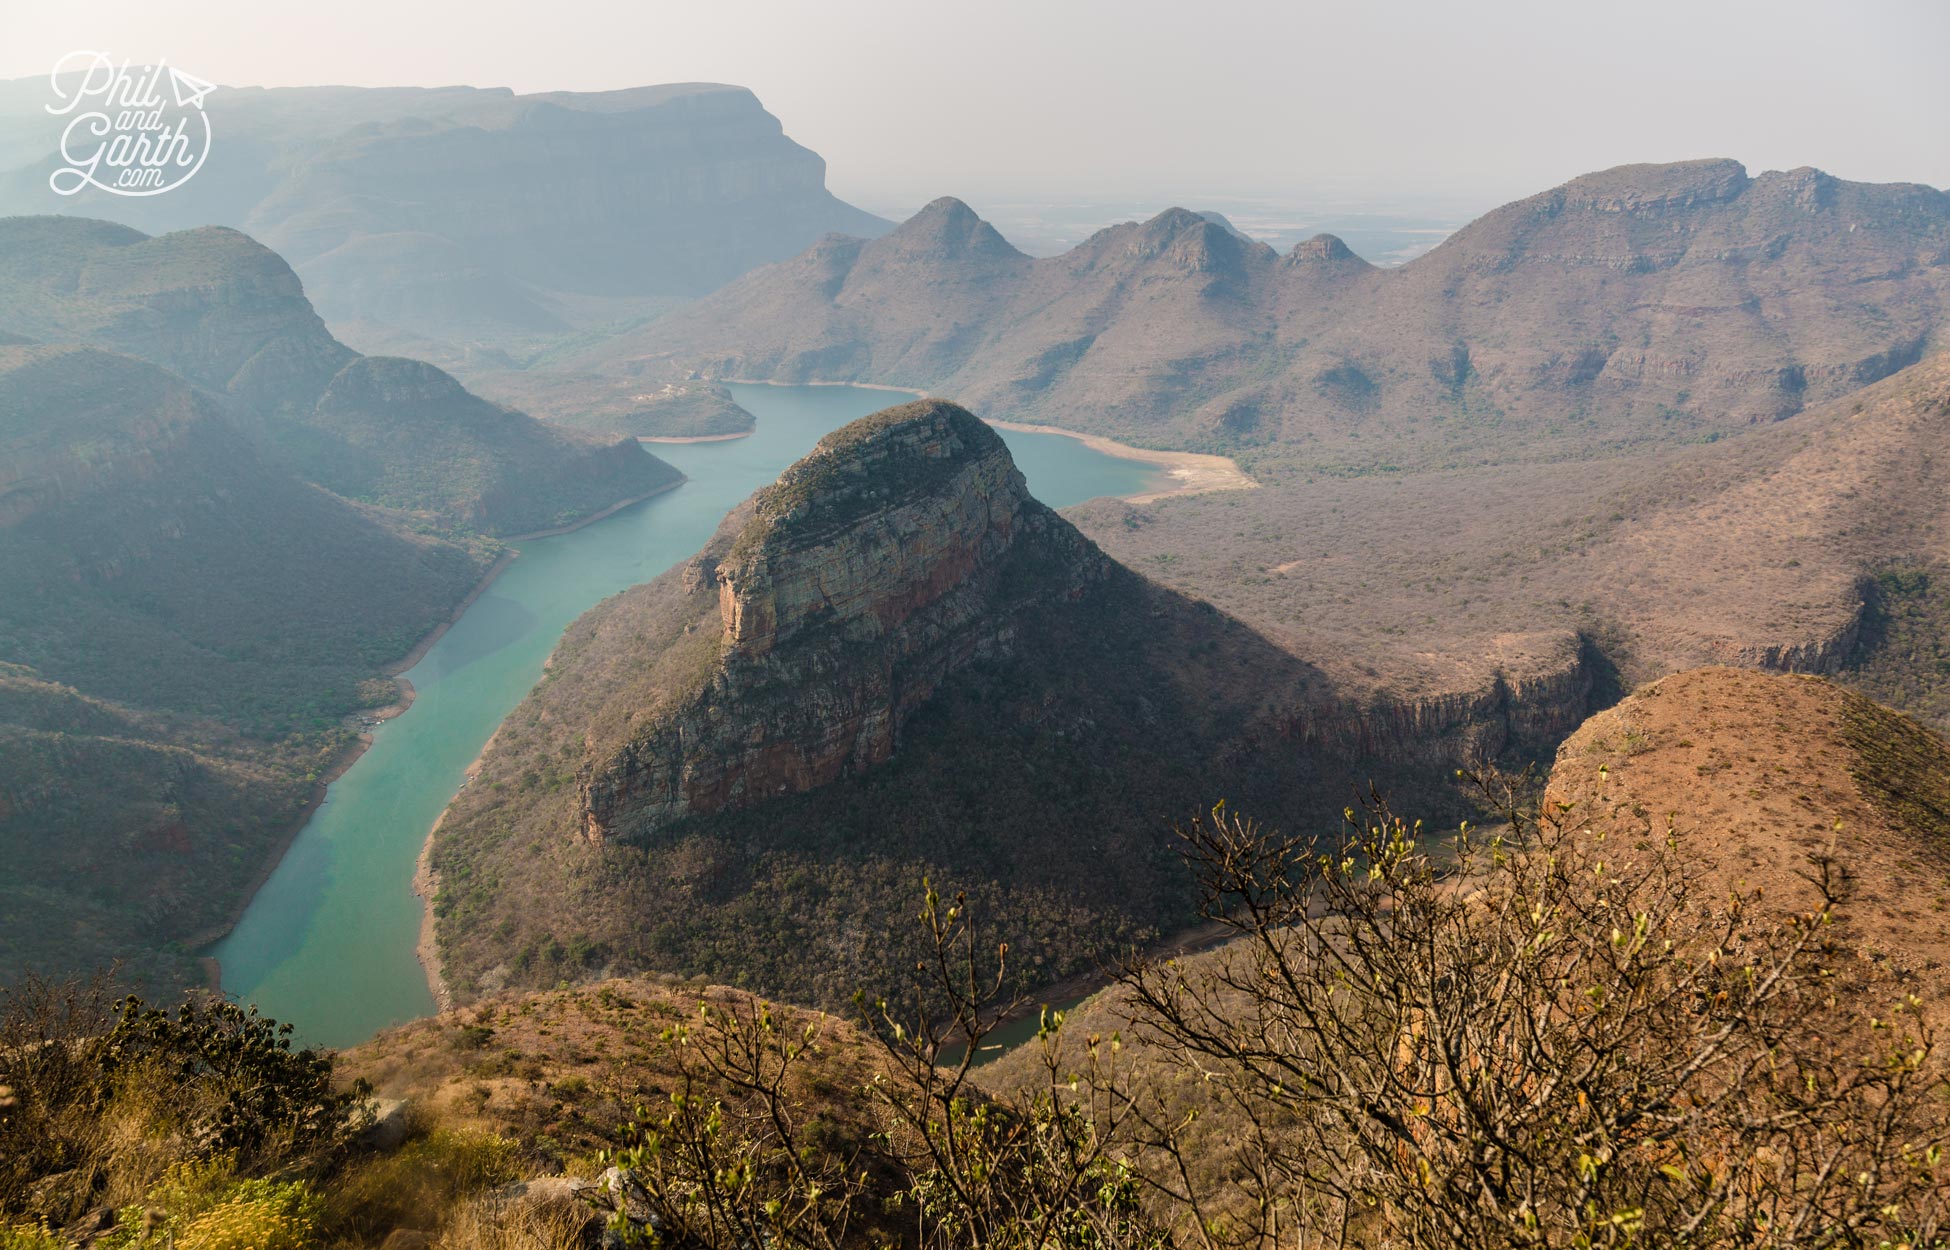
{"x": 327, "y": 944}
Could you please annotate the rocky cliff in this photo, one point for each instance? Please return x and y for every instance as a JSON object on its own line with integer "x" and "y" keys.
{"x": 896, "y": 555}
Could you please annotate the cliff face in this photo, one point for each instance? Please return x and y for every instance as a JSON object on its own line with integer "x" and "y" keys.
{"x": 1526, "y": 712}
{"x": 874, "y": 570}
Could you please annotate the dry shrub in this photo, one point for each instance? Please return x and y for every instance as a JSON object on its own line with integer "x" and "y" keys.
{"x": 417, "y": 1185}
{"x": 552, "y": 1223}
{"x": 1546, "y": 1038}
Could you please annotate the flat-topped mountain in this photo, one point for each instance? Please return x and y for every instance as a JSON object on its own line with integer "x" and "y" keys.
{"x": 229, "y": 315}
{"x": 1637, "y": 304}
{"x": 182, "y": 627}
{"x": 462, "y": 212}
{"x": 892, "y": 663}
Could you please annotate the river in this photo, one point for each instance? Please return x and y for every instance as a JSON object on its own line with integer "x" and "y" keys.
{"x": 327, "y": 943}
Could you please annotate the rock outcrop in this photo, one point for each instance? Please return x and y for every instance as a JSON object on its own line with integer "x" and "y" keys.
{"x": 898, "y": 553}
{"x": 894, "y": 664}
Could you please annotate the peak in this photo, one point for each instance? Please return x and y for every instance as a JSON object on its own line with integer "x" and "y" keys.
{"x": 1178, "y": 220}
{"x": 1186, "y": 242}
{"x": 900, "y": 425}
{"x": 947, "y": 208}
{"x": 877, "y": 463}
{"x": 948, "y": 228}
{"x": 1636, "y": 188}
{"x": 1322, "y": 247}
{"x": 389, "y": 379}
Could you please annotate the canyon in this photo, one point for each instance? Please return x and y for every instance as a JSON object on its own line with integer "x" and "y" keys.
{"x": 893, "y": 663}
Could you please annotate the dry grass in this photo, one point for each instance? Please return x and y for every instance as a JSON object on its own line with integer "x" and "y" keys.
{"x": 553, "y": 1223}
{"x": 1759, "y": 773}
{"x": 562, "y": 1072}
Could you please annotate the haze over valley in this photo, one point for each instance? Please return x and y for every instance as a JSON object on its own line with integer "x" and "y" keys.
{"x": 685, "y": 651}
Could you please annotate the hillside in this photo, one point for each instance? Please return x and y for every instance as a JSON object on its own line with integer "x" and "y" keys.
{"x": 1814, "y": 544}
{"x": 1640, "y": 304}
{"x": 712, "y": 1117}
{"x": 228, "y": 314}
{"x": 565, "y": 1067}
{"x": 1753, "y": 772}
{"x": 183, "y": 627}
{"x": 463, "y": 213}
{"x": 1760, "y": 772}
{"x": 891, "y": 664}
{"x": 688, "y": 409}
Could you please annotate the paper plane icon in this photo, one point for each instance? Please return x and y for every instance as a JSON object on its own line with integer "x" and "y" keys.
{"x": 189, "y": 89}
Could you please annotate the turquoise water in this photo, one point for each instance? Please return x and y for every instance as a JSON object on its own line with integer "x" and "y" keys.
{"x": 328, "y": 943}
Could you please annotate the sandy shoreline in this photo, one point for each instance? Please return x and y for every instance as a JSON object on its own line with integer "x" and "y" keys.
{"x": 693, "y": 438}
{"x": 427, "y": 949}
{"x": 1191, "y": 472}
{"x": 426, "y": 884}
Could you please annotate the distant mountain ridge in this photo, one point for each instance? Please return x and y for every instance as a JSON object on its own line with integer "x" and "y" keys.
{"x": 463, "y": 212}
{"x": 227, "y": 314}
{"x": 1626, "y": 305}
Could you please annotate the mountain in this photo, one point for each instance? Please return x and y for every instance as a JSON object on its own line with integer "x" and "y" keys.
{"x": 1631, "y": 305}
{"x": 1486, "y": 472}
{"x": 183, "y": 627}
{"x": 229, "y": 315}
{"x": 464, "y": 213}
{"x": 893, "y": 663}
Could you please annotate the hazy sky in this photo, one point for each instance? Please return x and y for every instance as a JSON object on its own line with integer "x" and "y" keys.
{"x": 909, "y": 99}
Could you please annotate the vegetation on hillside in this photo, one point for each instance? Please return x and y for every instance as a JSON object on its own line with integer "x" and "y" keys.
{"x": 1903, "y": 656}
{"x": 184, "y": 630}
{"x": 1541, "y": 1036}
{"x": 1043, "y": 779}
{"x": 170, "y": 564}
